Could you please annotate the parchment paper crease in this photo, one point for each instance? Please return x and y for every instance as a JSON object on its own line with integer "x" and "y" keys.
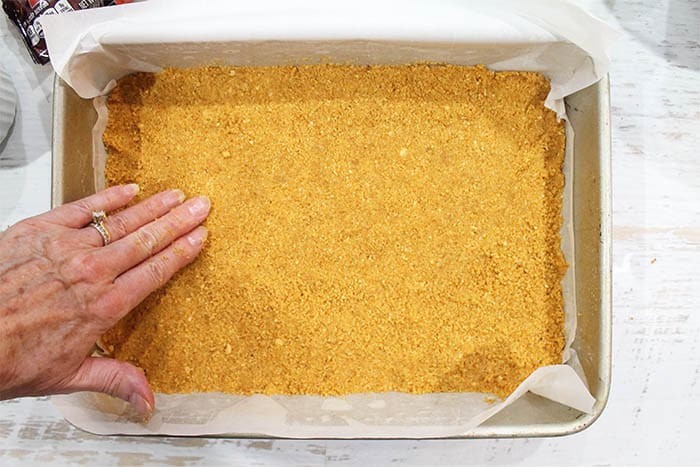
{"x": 91, "y": 49}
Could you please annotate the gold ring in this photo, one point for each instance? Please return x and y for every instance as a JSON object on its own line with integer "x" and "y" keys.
{"x": 98, "y": 222}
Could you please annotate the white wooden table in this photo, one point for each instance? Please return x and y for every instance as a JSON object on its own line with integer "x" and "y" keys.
{"x": 654, "y": 410}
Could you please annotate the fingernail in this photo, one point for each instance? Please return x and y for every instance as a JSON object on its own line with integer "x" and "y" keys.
{"x": 198, "y": 237}
{"x": 200, "y": 205}
{"x": 132, "y": 188}
{"x": 141, "y": 406}
{"x": 176, "y": 196}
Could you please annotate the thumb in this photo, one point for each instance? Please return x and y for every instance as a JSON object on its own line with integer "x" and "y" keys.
{"x": 116, "y": 378}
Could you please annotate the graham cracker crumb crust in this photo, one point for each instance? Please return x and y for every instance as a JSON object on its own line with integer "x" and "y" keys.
{"x": 373, "y": 228}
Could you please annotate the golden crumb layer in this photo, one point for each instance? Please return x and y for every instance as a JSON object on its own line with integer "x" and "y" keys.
{"x": 373, "y": 228}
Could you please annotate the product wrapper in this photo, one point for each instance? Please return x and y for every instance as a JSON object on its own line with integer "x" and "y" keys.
{"x": 91, "y": 49}
{"x": 27, "y": 14}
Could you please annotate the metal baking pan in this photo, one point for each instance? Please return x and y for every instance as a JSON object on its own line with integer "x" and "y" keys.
{"x": 589, "y": 114}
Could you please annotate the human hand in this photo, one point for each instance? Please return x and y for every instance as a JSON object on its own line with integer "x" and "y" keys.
{"x": 61, "y": 289}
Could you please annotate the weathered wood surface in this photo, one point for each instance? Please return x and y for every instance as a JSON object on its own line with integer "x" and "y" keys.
{"x": 652, "y": 417}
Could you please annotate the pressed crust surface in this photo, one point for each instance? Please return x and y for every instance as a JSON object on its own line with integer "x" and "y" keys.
{"x": 381, "y": 228}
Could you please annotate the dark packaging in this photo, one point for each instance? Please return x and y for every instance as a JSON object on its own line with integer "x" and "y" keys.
{"x": 26, "y": 13}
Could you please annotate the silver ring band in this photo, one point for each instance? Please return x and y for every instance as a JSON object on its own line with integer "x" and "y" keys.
{"x": 98, "y": 222}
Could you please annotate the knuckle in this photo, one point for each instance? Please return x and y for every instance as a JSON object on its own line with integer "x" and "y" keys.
{"x": 149, "y": 210}
{"x": 186, "y": 252}
{"x": 174, "y": 227}
{"x": 85, "y": 267}
{"x": 182, "y": 215}
{"x": 147, "y": 240}
{"x": 171, "y": 226}
{"x": 162, "y": 205}
{"x": 158, "y": 272}
{"x": 157, "y": 206}
{"x": 109, "y": 301}
{"x": 146, "y": 210}
{"x": 60, "y": 246}
{"x": 174, "y": 218}
{"x": 113, "y": 381}
{"x": 118, "y": 304}
{"x": 109, "y": 307}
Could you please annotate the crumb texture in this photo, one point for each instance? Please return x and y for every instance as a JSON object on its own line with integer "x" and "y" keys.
{"x": 373, "y": 228}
